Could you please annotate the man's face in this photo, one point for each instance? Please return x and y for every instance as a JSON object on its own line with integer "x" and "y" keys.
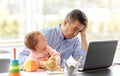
{"x": 71, "y": 29}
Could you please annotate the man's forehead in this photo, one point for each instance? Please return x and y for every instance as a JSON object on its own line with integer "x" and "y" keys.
{"x": 79, "y": 25}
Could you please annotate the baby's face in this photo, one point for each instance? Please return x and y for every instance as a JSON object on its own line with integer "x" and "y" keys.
{"x": 42, "y": 44}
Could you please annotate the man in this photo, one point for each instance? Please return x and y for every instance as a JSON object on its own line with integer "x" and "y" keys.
{"x": 64, "y": 37}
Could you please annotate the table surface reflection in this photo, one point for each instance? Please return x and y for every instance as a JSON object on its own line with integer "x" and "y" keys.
{"x": 112, "y": 71}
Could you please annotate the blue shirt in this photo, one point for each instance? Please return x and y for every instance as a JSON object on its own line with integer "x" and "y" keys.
{"x": 66, "y": 47}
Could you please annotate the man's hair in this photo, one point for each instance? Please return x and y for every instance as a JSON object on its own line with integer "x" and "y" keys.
{"x": 31, "y": 39}
{"x": 77, "y": 15}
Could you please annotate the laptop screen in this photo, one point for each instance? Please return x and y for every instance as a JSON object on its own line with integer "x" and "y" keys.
{"x": 100, "y": 54}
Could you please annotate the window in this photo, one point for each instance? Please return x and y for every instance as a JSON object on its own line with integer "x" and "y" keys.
{"x": 17, "y": 17}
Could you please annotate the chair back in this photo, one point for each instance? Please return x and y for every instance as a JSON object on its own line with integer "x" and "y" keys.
{"x": 4, "y": 65}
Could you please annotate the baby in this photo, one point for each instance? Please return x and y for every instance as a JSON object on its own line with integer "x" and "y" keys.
{"x": 41, "y": 52}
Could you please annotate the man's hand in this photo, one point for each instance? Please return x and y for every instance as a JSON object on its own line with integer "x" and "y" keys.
{"x": 84, "y": 30}
{"x": 84, "y": 44}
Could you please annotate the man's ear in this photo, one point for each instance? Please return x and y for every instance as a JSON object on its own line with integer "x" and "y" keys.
{"x": 65, "y": 22}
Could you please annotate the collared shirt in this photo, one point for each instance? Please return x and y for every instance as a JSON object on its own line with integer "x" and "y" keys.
{"x": 66, "y": 47}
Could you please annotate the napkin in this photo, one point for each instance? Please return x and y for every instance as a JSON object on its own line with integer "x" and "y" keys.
{"x": 71, "y": 61}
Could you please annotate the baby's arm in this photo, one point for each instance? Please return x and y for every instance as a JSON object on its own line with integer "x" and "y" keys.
{"x": 52, "y": 51}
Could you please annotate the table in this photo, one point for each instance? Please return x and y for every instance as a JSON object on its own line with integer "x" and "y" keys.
{"x": 23, "y": 73}
{"x": 112, "y": 71}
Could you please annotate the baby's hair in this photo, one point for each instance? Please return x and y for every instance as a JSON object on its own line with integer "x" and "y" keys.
{"x": 31, "y": 39}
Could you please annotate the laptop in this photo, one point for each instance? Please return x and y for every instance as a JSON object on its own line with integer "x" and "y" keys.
{"x": 100, "y": 55}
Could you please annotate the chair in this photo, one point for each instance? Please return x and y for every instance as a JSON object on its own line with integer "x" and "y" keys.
{"x": 4, "y": 65}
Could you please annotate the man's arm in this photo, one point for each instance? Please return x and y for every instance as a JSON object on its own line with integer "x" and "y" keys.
{"x": 23, "y": 55}
{"x": 84, "y": 44}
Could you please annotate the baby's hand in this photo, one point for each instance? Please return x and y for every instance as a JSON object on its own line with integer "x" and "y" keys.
{"x": 22, "y": 67}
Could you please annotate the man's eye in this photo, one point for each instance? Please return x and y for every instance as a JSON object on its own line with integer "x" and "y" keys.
{"x": 75, "y": 29}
